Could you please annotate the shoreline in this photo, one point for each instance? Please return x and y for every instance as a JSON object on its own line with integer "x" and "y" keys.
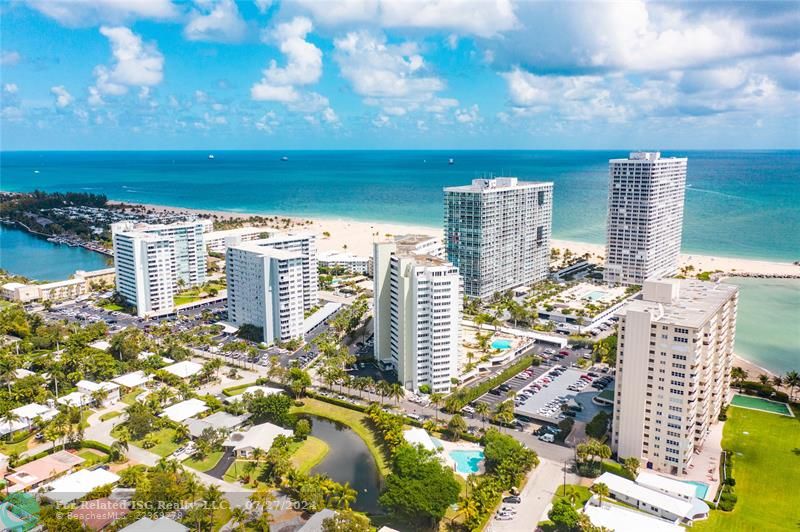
{"x": 356, "y": 236}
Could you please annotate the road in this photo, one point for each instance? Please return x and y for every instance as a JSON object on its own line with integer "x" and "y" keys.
{"x": 539, "y": 489}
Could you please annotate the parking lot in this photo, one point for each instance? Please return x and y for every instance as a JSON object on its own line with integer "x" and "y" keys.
{"x": 514, "y": 384}
{"x": 558, "y": 387}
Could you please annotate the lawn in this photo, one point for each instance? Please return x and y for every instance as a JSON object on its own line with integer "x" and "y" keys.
{"x": 310, "y": 453}
{"x": 130, "y": 397}
{"x": 580, "y": 494}
{"x": 352, "y": 418}
{"x": 165, "y": 445}
{"x": 766, "y": 466}
{"x": 206, "y": 463}
{"x": 92, "y": 457}
{"x": 110, "y": 415}
{"x": 111, "y": 307}
{"x": 19, "y": 447}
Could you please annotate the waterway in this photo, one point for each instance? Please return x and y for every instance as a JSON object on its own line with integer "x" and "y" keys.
{"x": 22, "y": 253}
{"x": 348, "y": 460}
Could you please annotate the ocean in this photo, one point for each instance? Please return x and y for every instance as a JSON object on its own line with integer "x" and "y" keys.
{"x": 738, "y": 203}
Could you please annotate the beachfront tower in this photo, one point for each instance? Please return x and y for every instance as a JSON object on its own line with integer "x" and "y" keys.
{"x": 645, "y": 217}
{"x": 265, "y": 290}
{"x": 417, "y": 314}
{"x": 497, "y": 233}
{"x": 674, "y": 359}
{"x": 154, "y": 261}
{"x": 305, "y": 245}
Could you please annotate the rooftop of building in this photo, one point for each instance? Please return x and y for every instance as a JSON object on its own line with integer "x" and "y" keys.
{"x": 691, "y": 302}
{"x": 656, "y": 499}
{"x": 261, "y": 248}
{"x": 494, "y": 184}
{"x": 131, "y": 226}
{"x": 235, "y": 232}
{"x": 647, "y": 157}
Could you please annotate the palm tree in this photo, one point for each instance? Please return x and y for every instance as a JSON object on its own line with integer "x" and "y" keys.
{"x": 343, "y": 496}
{"x": 482, "y": 409}
{"x": 601, "y": 490}
{"x": 397, "y": 392}
{"x": 118, "y": 450}
{"x": 384, "y": 389}
{"x": 738, "y": 375}
{"x": 239, "y": 516}
{"x": 791, "y": 380}
{"x": 7, "y": 417}
{"x": 436, "y": 400}
{"x": 777, "y": 381}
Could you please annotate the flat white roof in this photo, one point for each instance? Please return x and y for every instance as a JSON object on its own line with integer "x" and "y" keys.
{"x": 266, "y": 390}
{"x": 184, "y": 369}
{"x": 102, "y": 345}
{"x": 654, "y": 498}
{"x": 22, "y": 373}
{"x": 657, "y": 482}
{"x": 13, "y": 286}
{"x": 418, "y": 436}
{"x": 184, "y": 410}
{"x": 67, "y": 489}
{"x": 320, "y": 315}
{"x": 258, "y": 436}
{"x": 620, "y": 519}
{"x": 133, "y": 379}
{"x": 75, "y": 399}
{"x": 33, "y": 410}
{"x": 94, "y": 386}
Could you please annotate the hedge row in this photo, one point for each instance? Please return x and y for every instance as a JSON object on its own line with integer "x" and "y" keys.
{"x": 762, "y": 390}
{"x": 234, "y": 390}
{"x": 464, "y": 396}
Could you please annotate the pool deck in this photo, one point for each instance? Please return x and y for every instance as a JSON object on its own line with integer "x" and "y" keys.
{"x": 705, "y": 465}
{"x": 448, "y": 446}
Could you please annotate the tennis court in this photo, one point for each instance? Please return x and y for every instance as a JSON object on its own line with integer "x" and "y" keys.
{"x": 764, "y": 405}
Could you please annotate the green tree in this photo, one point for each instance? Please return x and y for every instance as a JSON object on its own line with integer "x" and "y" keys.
{"x": 419, "y": 489}
{"x": 273, "y": 408}
{"x": 597, "y": 427}
{"x": 302, "y": 429}
{"x": 631, "y": 466}
{"x": 298, "y": 380}
{"x": 127, "y": 344}
{"x": 563, "y": 516}
{"x": 346, "y": 521}
{"x": 601, "y": 490}
{"x": 456, "y": 427}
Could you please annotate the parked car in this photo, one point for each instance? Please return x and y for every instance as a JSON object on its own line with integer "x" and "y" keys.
{"x": 547, "y": 438}
{"x": 512, "y": 499}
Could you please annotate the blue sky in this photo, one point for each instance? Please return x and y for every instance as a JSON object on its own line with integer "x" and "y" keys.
{"x": 367, "y": 74}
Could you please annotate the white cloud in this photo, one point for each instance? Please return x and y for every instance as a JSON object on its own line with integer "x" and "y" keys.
{"x": 200, "y": 96}
{"x": 63, "y": 97}
{"x": 92, "y": 12}
{"x": 303, "y": 63}
{"x": 394, "y": 77}
{"x": 330, "y": 116}
{"x": 263, "y": 5}
{"x": 484, "y": 18}
{"x": 10, "y": 88}
{"x": 12, "y": 114}
{"x": 136, "y": 64}
{"x": 470, "y": 115}
{"x": 381, "y": 121}
{"x": 215, "y": 21}
{"x": 95, "y": 99}
{"x": 267, "y": 123}
{"x": 9, "y": 58}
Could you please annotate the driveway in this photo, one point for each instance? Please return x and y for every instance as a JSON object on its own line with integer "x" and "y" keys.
{"x": 536, "y": 496}
{"x": 218, "y": 471}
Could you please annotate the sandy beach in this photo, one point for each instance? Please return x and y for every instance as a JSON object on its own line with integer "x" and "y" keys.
{"x": 356, "y": 237}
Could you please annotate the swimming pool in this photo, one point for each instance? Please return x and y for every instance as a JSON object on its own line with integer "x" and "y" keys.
{"x": 501, "y": 344}
{"x": 758, "y": 403}
{"x": 700, "y": 488}
{"x": 596, "y": 295}
{"x": 467, "y": 461}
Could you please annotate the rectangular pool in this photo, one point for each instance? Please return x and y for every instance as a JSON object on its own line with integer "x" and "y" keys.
{"x": 700, "y": 488}
{"x": 758, "y": 403}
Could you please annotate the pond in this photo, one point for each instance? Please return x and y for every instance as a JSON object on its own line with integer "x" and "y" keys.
{"x": 348, "y": 460}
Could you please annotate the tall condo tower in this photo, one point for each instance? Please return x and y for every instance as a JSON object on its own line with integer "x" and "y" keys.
{"x": 265, "y": 289}
{"x": 497, "y": 233}
{"x": 645, "y": 217}
{"x": 417, "y": 314}
{"x": 674, "y": 359}
{"x": 152, "y": 261}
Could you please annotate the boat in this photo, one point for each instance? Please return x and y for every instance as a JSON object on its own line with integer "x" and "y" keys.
{"x": 284, "y": 158}
{"x": 210, "y": 155}
{"x": 451, "y": 161}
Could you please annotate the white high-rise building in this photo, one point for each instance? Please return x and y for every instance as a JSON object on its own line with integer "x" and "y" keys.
{"x": 645, "y": 217}
{"x": 674, "y": 359}
{"x": 219, "y": 241}
{"x": 153, "y": 261}
{"x": 266, "y": 290}
{"x": 306, "y": 245}
{"x": 417, "y": 315}
{"x": 497, "y": 233}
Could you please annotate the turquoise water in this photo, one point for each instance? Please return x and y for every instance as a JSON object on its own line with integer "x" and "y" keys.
{"x": 701, "y": 489}
{"x": 597, "y": 294}
{"x": 24, "y": 254}
{"x": 759, "y": 403}
{"x": 755, "y": 193}
{"x": 467, "y": 461}
{"x": 501, "y": 344}
{"x": 768, "y": 323}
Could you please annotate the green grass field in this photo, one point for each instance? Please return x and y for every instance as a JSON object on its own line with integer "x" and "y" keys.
{"x": 110, "y": 415}
{"x": 310, "y": 453}
{"x": 130, "y": 398}
{"x": 206, "y": 463}
{"x": 111, "y": 307}
{"x": 766, "y": 466}
{"x": 165, "y": 445}
{"x": 574, "y": 494}
{"x": 92, "y": 457}
{"x": 19, "y": 447}
{"x": 352, "y": 418}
